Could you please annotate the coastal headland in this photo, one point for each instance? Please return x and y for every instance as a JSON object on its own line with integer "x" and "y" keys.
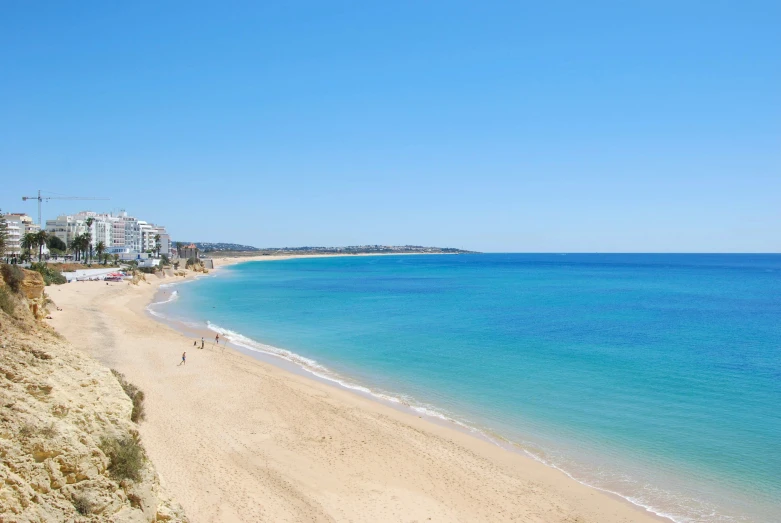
{"x": 237, "y": 439}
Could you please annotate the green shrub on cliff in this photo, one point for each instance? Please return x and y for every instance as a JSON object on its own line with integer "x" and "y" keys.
{"x": 13, "y": 276}
{"x": 135, "y": 394}
{"x": 126, "y": 456}
{"x": 82, "y": 504}
{"x": 50, "y": 275}
{"x": 7, "y": 301}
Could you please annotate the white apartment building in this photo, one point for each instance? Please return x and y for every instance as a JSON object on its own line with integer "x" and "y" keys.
{"x": 17, "y": 225}
{"x": 147, "y": 234}
{"x": 165, "y": 240}
{"x": 14, "y": 229}
{"x": 132, "y": 233}
{"x": 117, "y": 232}
{"x": 101, "y": 227}
{"x": 66, "y": 228}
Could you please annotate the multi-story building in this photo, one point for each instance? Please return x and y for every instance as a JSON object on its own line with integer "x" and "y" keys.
{"x": 17, "y": 225}
{"x": 13, "y": 238}
{"x": 119, "y": 232}
{"x": 165, "y": 240}
{"x": 66, "y": 228}
{"x": 100, "y": 227}
{"x": 147, "y": 236}
{"x": 14, "y": 229}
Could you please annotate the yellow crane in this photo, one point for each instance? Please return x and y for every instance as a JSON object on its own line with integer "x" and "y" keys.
{"x": 47, "y": 198}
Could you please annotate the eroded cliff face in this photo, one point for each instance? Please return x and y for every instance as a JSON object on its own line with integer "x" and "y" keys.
{"x": 58, "y": 407}
{"x": 30, "y": 289}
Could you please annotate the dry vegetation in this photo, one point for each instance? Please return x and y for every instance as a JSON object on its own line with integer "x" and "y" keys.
{"x": 135, "y": 394}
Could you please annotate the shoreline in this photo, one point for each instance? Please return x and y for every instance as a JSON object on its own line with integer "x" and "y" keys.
{"x": 298, "y": 366}
{"x": 439, "y": 419}
{"x": 557, "y": 488}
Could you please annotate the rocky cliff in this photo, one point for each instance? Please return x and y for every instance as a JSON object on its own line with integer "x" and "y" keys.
{"x": 68, "y": 450}
{"x": 29, "y": 286}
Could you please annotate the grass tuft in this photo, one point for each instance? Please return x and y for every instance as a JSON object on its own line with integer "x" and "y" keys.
{"x": 27, "y": 430}
{"x": 126, "y": 457}
{"x": 7, "y": 301}
{"x": 135, "y": 394}
{"x": 48, "y": 431}
{"x": 82, "y": 504}
{"x": 13, "y": 276}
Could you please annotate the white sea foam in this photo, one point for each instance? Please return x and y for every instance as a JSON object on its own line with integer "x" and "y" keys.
{"x": 313, "y": 367}
{"x": 150, "y": 308}
{"x": 632, "y": 499}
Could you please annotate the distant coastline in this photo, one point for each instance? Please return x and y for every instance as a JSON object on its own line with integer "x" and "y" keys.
{"x": 235, "y": 249}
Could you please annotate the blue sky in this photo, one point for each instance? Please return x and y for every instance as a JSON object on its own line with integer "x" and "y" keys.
{"x": 512, "y": 126}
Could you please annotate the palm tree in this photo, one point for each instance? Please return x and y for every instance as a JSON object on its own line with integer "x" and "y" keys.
{"x": 41, "y": 237}
{"x": 80, "y": 244}
{"x": 76, "y": 246}
{"x": 89, "y": 221}
{"x": 116, "y": 259}
{"x": 88, "y": 246}
{"x": 29, "y": 242}
{"x": 157, "y": 244}
{"x": 100, "y": 248}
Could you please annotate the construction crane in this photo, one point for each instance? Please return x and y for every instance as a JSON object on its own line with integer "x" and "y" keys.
{"x": 47, "y": 198}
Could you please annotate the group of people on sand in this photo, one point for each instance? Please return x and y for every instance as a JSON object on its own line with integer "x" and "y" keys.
{"x": 195, "y": 344}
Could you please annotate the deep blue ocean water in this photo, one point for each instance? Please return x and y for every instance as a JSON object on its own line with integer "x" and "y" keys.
{"x": 657, "y": 377}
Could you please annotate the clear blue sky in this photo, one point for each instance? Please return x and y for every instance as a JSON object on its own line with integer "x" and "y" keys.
{"x": 496, "y": 126}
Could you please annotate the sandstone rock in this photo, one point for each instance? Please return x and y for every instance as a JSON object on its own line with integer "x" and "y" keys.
{"x": 32, "y": 285}
{"x": 32, "y": 288}
{"x": 55, "y": 406}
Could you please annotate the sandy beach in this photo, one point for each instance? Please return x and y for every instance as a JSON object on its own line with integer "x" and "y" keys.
{"x": 235, "y": 439}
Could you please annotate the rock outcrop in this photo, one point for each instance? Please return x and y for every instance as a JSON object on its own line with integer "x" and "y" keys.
{"x": 32, "y": 288}
{"x": 58, "y": 410}
{"x": 28, "y": 286}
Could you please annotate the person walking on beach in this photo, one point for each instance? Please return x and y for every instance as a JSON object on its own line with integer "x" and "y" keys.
{"x": 202, "y": 342}
{"x": 217, "y": 339}
{"x": 184, "y": 359}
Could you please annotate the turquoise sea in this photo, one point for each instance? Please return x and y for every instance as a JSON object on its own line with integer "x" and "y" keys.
{"x": 653, "y": 376}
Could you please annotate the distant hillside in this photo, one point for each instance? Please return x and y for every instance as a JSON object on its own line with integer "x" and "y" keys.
{"x": 362, "y": 249}
{"x": 352, "y": 249}
{"x": 220, "y": 246}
